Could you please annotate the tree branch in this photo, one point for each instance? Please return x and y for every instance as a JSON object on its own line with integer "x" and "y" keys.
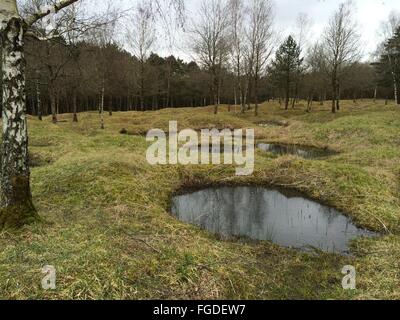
{"x": 56, "y": 8}
{"x": 38, "y": 37}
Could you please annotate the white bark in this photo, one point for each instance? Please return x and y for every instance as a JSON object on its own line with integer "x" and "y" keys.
{"x": 342, "y": 43}
{"x": 15, "y": 175}
{"x": 15, "y": 169}
{"x": 102, "y": 107}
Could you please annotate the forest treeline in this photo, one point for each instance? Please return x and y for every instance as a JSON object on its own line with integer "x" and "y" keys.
{"x": 88, "y": 73}
{"x": 64, "y": 80}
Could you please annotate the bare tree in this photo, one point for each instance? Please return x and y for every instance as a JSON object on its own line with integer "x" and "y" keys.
{"x": 141, "y": 37}
{"x": 302, "y": 30}
{"x": 341, "y": 41}
{"x": 15, "y": 196}
{"x": 210, "y": 42}
{"x": 388, "y": 27}
{"x": 317, "y": 79}
{"x": 260, "y": 35}
{"x": 77, "y": 22}
{"x": 237, "y": 34}
{"x": 387, "y": 31}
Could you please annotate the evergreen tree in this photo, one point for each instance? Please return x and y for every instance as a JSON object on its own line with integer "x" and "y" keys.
{"x": 284, "y": 68}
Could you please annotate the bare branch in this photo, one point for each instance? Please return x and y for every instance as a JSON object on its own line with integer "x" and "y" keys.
{"x": 40, "y": 15}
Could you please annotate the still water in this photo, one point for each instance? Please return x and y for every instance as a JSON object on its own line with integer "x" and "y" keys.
{"x": 263, "y": 214}
{"x": 303, "y": 152}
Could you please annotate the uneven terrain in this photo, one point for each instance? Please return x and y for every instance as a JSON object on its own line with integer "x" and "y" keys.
{"x": 107, "y": 229}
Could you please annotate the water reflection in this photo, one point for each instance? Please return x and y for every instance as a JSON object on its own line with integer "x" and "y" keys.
{"x": 303, "y": 152}
{"x": 263, "y": 214}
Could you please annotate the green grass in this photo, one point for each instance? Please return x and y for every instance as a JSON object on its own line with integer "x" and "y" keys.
{"x": 107, "y": 228}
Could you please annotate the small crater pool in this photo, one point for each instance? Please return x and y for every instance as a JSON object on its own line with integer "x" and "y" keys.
{"x": 301, "y": 151}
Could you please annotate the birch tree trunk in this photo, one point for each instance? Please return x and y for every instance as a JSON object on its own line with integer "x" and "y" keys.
{"x": 256, "y": 95}
{"x": 15, "y": 196}
{"x": 38, "y": 101}
{"x": 334, "y": 92}
{"x": 75, "y": 107}
{"x": 102, "y": 108}
{"x": 249, "y": 92}
{"x": 395, "y": 88}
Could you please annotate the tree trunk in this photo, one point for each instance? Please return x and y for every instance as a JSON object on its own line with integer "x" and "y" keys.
{"x": 235, "y": 94}
{"x": 287, "y": 92}
{"x": 110, "y": 105}
{"x": 243, "y": 91}
{"x": 396, "y": 93}
{"x": 53, "y": 106}
{"x": 334, "y": 94}
{"x": 256, "y": 96}
{"x": 296, "y": 91}
{"x": 215, "y": 104}
{"x": 249, "y": 92}
{"x": 38, "y": 101}
{"x": 102, "y": 108}
{"x": 75, "y": 119}
{"x": 16, "y": 199}
{"x": 395, "y": 87}
{"x": 215, "y": 93}
{"x": 58, "y": 103}
{"x": 310, "y": 101}
{"x": 243, "y": 101}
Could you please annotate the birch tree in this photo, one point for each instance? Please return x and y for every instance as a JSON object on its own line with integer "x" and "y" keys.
{"x": 210, "y": 42}
{"x": 302, "y": 30}
{"x": 388, "y": 31}
{"x": 317, "y": 80}
{"x": 260, "y": 34}
{"x": 237, "y": 35}
{"x": 342, "y": 42}
{"x": 104, "y": 39}
{"x": 15, "y": 195}
{"x": 141, "y": 37}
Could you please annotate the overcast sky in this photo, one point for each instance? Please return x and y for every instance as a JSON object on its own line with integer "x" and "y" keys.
{"x": 370, "y": 14}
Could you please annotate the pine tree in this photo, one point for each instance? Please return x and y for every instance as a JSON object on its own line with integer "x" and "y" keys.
{"x": 284, "y": 68}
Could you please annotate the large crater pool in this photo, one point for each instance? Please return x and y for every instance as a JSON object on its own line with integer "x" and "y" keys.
{"x": 264, "y": 214}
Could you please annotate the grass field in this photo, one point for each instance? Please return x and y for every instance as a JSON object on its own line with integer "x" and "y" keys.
{"x": 107, "y": 229}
